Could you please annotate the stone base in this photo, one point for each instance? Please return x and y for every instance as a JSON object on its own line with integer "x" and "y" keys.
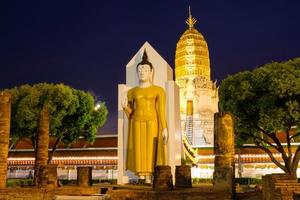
{"x": 162, "y": 178}
{"x": 84, "y": 176}
{"x": 224, "y": 179}
{"x": 183, "y": 177}
{"x": 48, "y": 176}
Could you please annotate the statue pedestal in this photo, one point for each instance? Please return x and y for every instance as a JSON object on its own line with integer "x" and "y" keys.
{"x": 183, "y": 177}
{"x": 162, "y": 178}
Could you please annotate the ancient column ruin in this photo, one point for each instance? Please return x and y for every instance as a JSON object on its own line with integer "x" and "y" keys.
{"x": 223, "y": 178}
{"x": 5, "y": 110}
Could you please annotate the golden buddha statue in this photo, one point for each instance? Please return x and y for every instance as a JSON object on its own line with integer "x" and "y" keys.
{"x": 147, "y": 128}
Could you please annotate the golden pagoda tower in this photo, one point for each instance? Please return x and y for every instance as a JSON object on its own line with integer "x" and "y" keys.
{"x": 192, "y": 74}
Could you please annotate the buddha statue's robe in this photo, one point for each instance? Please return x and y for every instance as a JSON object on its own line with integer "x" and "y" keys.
{"x": 146, "y": 114}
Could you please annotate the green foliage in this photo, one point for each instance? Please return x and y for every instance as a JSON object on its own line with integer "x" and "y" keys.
{"x": 265, "y": 99}
{"x": 72, "y": 113}
{"x": 19, "y": 182}
{"x": 85, "y": 121}
{"x": 28, "y": 101}
{"x": 197, "y": 181}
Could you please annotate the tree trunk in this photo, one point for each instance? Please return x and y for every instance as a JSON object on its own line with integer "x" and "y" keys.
{"x": 5, "y": 110}
{"x": 53, "y": 149}
{"x": 294, "y": 174}
{"x": 42, "y": 144}
{"x": 295, "y": 162}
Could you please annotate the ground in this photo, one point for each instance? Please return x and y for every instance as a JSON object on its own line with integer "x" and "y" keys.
{"x": 256, "y": 195}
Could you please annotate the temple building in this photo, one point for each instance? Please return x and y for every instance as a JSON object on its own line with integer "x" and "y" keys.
{"x": 101, "y": 155}
{"x": 198, "y": 94}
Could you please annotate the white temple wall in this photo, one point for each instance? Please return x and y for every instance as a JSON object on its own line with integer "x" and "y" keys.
{"x": 66, "y": 174}
{"x": 207, "y": 170}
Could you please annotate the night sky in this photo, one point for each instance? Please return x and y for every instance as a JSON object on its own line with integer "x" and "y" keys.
{"x": 87, "y": 44}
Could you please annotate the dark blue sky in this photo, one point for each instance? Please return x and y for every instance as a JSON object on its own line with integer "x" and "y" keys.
{"x": 86, "y": 44}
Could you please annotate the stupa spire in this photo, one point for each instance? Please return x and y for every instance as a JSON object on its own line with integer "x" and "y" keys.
{"x": 191, "y": 21}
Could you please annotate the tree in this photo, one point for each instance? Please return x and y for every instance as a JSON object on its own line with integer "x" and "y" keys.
{"x": 266, "y": 102}
{"x": 37, "y": 110}
{"x": 72, "y": 114}
{"x": 88, "y": 117}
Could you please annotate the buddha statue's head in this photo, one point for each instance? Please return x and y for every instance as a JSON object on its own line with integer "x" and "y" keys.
{"x": 145, "y": 69}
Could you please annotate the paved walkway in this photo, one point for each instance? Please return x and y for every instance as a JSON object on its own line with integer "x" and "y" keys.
{"x": 250, "y": 196}
{"x": 70, "y": 197}
{"x": 201, "y": 190}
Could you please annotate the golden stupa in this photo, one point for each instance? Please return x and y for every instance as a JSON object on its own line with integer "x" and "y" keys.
{"x": 192, "y": 55}
{"x": 198, "y": 94}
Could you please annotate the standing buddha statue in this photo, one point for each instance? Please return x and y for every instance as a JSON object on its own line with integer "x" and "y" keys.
{"x": 147, "y": 130}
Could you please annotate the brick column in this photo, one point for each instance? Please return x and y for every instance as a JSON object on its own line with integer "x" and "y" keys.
{"x": 162, "y": 178}
{"x": 5, "y": 110}
{"x": 280, "y": 187}
{"x": 84, "y": 176}
{"x": 223, "y": 178}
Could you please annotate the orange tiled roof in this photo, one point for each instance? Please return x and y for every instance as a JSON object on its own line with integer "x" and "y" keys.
{"x": 107, "y": 141}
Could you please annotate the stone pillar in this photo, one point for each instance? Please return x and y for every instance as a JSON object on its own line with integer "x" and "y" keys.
{"x": 42, "y": 144}
{"x": 223, "y": 178}
{"x": 84, "y": 176}
{"x": 48, "y": 176}
{"x": 183, "y": 176}
{"x": 5, "y": 110}
{"x": 266, "y": 189}
{"x": 162, "y": 178}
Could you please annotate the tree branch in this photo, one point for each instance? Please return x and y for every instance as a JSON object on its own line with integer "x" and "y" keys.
{"x": 295, "y": 135}
{"x": 271, "y": 156}
{"x": 263, "y": 140}
{"x": 53, "y": 149}
{"x": 288, "y": 141}
{"x": 12, "y": 144}
{"x": 277, "y": 142}
{"x": 272, "y": 136}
